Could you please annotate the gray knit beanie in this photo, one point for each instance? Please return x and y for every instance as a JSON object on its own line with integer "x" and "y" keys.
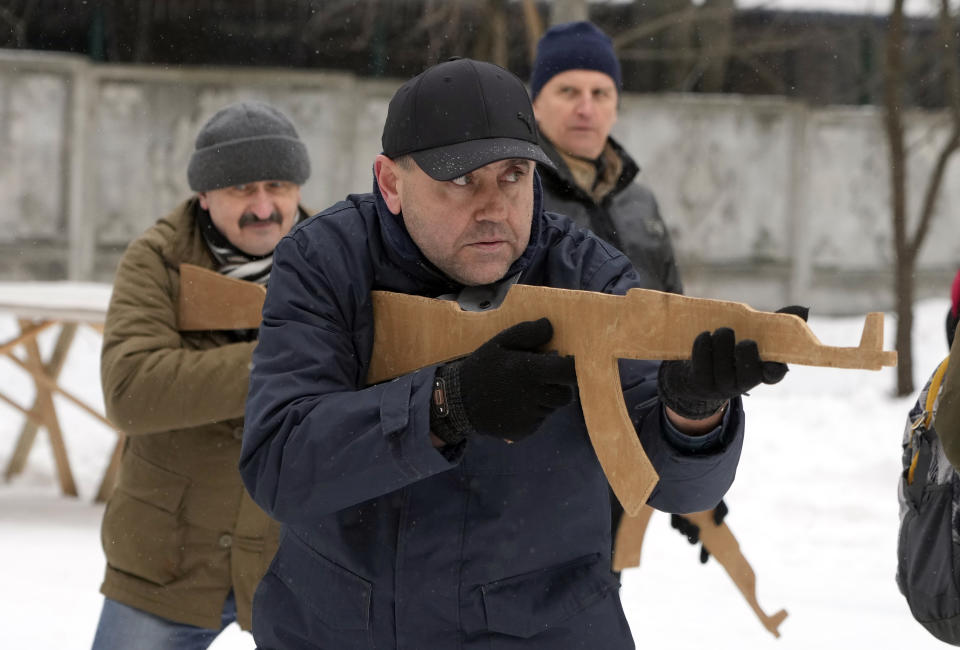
{"x": 247, "y": 142}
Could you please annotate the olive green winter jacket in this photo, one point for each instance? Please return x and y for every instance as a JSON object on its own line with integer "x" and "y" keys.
{"x": 947, "y": 420}
{"x": 179, "y": 531}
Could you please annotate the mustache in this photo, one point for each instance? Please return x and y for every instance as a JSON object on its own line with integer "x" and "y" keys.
{"x": 248, "y": 218}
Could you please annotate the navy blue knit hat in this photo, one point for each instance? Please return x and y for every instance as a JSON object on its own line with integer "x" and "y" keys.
{"x": 573, "y": 46}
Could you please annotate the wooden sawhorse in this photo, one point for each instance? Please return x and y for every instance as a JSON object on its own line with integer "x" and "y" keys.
{"x": 34, "y": 319}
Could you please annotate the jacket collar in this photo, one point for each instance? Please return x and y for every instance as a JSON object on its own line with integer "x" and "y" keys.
{"x": 563, "y": 174}
{"x": 403, "y": 253}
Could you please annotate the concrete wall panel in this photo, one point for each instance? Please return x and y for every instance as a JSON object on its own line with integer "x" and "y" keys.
{"x": 768, "y": 201}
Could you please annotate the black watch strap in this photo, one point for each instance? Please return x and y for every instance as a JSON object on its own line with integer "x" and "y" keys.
{"x": 448, "y": 419}
{"x": 439, "y": 408}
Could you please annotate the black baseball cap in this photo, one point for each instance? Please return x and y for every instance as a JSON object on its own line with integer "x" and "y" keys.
{"x": 460, "y": 115}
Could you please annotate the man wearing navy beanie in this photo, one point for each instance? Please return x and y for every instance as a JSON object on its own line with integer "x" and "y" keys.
{"x": 575, "y": 85}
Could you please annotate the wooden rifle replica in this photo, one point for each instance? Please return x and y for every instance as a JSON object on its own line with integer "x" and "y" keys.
{"x": 412, "y": 332}
{"x": 716, "y": 538}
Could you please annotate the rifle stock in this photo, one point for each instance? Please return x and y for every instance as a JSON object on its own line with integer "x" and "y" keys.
{"x": 211, "y": 301}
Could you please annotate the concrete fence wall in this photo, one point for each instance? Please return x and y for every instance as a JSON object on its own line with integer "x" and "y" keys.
{"x": 769, "y": 201}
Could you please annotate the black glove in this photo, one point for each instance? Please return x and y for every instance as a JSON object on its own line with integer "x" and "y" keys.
{"x": 692, "y": 531}
{"x": 719, "y": 368}
{"x": 505, "y": 388}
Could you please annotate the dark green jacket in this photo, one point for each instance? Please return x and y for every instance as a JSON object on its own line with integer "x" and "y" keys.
{"x": 947, "y": 419}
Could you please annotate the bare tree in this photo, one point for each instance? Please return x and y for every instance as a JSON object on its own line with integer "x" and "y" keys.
{"x": 717, "y": 43}
{"x": 491, "y": 42}
{"x": 907, "y": 244}
{"x": 534, "y": 27}
{"x": 695, "y": 42}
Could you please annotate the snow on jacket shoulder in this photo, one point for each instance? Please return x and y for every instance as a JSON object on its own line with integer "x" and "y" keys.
{"x": 388, "y": 543}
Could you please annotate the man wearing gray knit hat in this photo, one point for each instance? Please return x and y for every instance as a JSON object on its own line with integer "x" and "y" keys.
{"x": 185, "y": 545}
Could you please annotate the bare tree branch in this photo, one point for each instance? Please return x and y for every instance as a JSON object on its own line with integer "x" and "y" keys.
{"x": 531, "y": 20}
{"x": 655, "y": 26}
{"x": 904, "y": 260}
{"x": 734, "y": 49}
{"x": 952, "y": 79}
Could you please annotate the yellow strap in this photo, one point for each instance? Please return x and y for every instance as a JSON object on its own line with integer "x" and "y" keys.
{"x": 913, "y": 467}
{"x": 934, "y": 391}
{"x": 927, "y": 414}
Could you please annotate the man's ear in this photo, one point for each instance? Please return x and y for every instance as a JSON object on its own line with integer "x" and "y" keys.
{"x": 388, "y": 178}
{"x": 203, "y": 200}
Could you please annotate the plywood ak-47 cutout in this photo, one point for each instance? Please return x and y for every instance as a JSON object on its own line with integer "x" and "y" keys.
{"x": 598, "y": 329}
{"x": 412, "y": 332}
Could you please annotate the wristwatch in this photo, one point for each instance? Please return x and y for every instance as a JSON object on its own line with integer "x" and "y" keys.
{"x": 438, "y": 401}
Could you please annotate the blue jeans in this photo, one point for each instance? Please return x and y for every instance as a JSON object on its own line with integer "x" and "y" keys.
{"x": 125, "y": 628}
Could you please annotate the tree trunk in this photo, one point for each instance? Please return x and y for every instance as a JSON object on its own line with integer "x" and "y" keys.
{"x": 716, "y": 43}
{"x": 492, "y": 40}
{"x": 678, "y": 37}
{"x": 534, "y": 27}
{"x": 907, "y": 245}
{"x": 903, "y": 283}
{"x": 904, "y": 259}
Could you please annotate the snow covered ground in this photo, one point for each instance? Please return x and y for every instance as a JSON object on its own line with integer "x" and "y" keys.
{"x": 814, "y": 508}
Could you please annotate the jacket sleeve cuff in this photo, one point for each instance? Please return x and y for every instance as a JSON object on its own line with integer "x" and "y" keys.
{"x": 405, "y": 421}
{"x": 708, "y": 443}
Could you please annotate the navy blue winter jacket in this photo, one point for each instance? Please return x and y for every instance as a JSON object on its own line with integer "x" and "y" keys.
{"x": 387, "y": 542}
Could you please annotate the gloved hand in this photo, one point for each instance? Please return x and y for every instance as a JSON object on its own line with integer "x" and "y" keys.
{"x": 719, "y": 368}
{"x": 692, "y": 531}
{"x": 505, "y": 388}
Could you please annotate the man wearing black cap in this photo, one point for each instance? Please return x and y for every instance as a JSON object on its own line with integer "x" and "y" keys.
{"x": 185, "y": 544}
{"x": 410, "y": 521}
